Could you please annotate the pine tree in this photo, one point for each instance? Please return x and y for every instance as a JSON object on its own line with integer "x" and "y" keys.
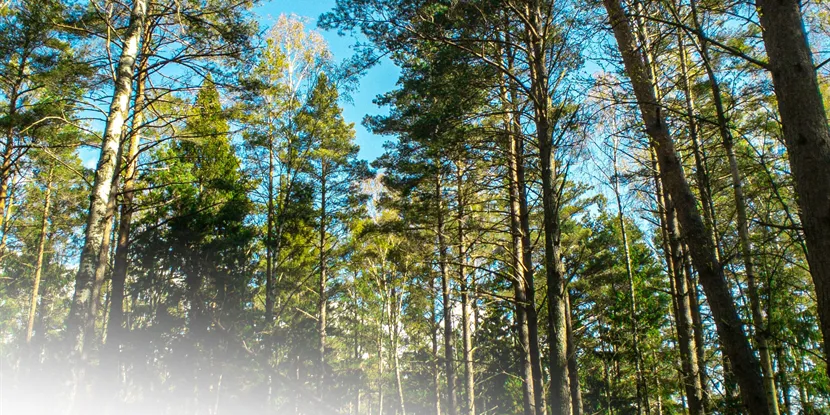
{"x": 333, "y": 164}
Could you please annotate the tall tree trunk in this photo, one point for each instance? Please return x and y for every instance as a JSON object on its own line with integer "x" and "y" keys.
{"x": 41, "y": 247}
{"x": 358, "y": 323}
{"x": 436, "y": 373}
{"x": 449, "y": 359}
{"x": 784, "y": 378}
{"x": 82, "y": 299}
{"x": 466, "y": 324}
{"x": 6, "y": 214}
{"x": 803, "y": 397}
{"x": 395, "y": 339}
{"x": 269, "y": 237}
{"x": 520, "y": 259}
{"x": 517, "y": 261}
{"x": 560, "y": 397}
{"x": 573, "y": 369}
{"x": 682, "y": 297}
{"x": 806, "y": 134}
{"x": 7, "y": 164}
{"x": 527, "y": 267}
{"x": 642, "y": 387}
{"x": 381, "y": 361}
{"x": 322, "y": 302}
{"x": 697, "y": 328}
{"x": 761, "y": 329}
{"x": 103, "y": 263}
{"x": 115, "y": 325}
{"x": 701, "y": 170}
{"x": 610, "y": 397}
{"x": 728, "y": 322}
{"x": 742, "y": 221}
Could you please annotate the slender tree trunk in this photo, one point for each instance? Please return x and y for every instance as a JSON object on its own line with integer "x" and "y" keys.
{"x": 115, "y": 325}
{"x": 6, "y": 171}
{"x": 80, "y": 311}
{"x": 728, "y": 322}
{"x": 466, "y": 324}
{"x": 697, "y": 328}
{"x": 358, "y": 324}
{"x": 269, "y": 237}
{"x": 528, "y": 268}
{"x": 657, "y": 386}
{"x": 41, "y": 247}
{"x": 742, "y": 221}
{"x": 436, "y": 373}
{"x": 381, "y": 361}
{"x": 449, "y": 360}
{"x": 573, "y": 369}
{"x": 642, "y": 387}
{"x": 761, "y": 329}
{"x": 682, "y": 297}
{"x": 685, "y": 327}
{"x": 5, "y": 180}
{"x": 519, "y": 266}
{"x": 103, "y": 262}
{"x": 519, "y": 260}
{"x": 806, "y": 134}
{"x": 701, "y": 171}
{"x": 6, "y": 167}
{"x": 322, "y": 302}
{"x": 803, "y": 398}
{"x": 608, "y": 383}
{"x": 560, "y": 398}
{"x": 395, "y": 337}
{"x": 784, "y": 378}
{"x": 6, "y": 214}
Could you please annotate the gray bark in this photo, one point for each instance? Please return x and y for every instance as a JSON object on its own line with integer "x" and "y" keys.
{"x": 806, "y": 135}
{"x": 80, "y": 312}
{"x": 119, "y": 274}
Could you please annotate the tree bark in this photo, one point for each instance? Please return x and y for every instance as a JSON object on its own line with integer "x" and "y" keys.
{"x": 701, "y": 170}
{"x": 466, "y": 325}
{"x": 518, "y": 264}
{"x": 806, "y": 135}
{"x": 573, "y": 369}
{"x": 742, "y": 221}
{"x": 395, "y": 339}
{"x": 80, "y": 311}
{"x": 6, "y": 214}
{"x": 642, "y": 387}
{"x": 269, "y": 237}
{"x": 682, "y": 297}
{"x": 322, "y": 301}
{"x": 7, "y": 165}
{"x": 560, "y": 398}
{"x": 784, "y": 378}
{"x": 528, "y": 269}
{"x": 41, "y": 247}
{"x": 729, "y": 325}
{"x": 115, "y": 325}
{"x": 449, "y": 360}
{"x": 436, "y": 380}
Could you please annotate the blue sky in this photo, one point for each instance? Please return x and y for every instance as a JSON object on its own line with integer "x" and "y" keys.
{"x": 378, "y": 80}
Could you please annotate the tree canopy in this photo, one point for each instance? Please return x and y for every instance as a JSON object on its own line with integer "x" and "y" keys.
{"x": 615, "y": 207}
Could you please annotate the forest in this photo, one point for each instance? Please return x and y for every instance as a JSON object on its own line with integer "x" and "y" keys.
{"x": 616, "y": 207}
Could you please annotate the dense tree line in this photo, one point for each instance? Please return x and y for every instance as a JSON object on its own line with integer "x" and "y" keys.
{"x": 616, "y": 207}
